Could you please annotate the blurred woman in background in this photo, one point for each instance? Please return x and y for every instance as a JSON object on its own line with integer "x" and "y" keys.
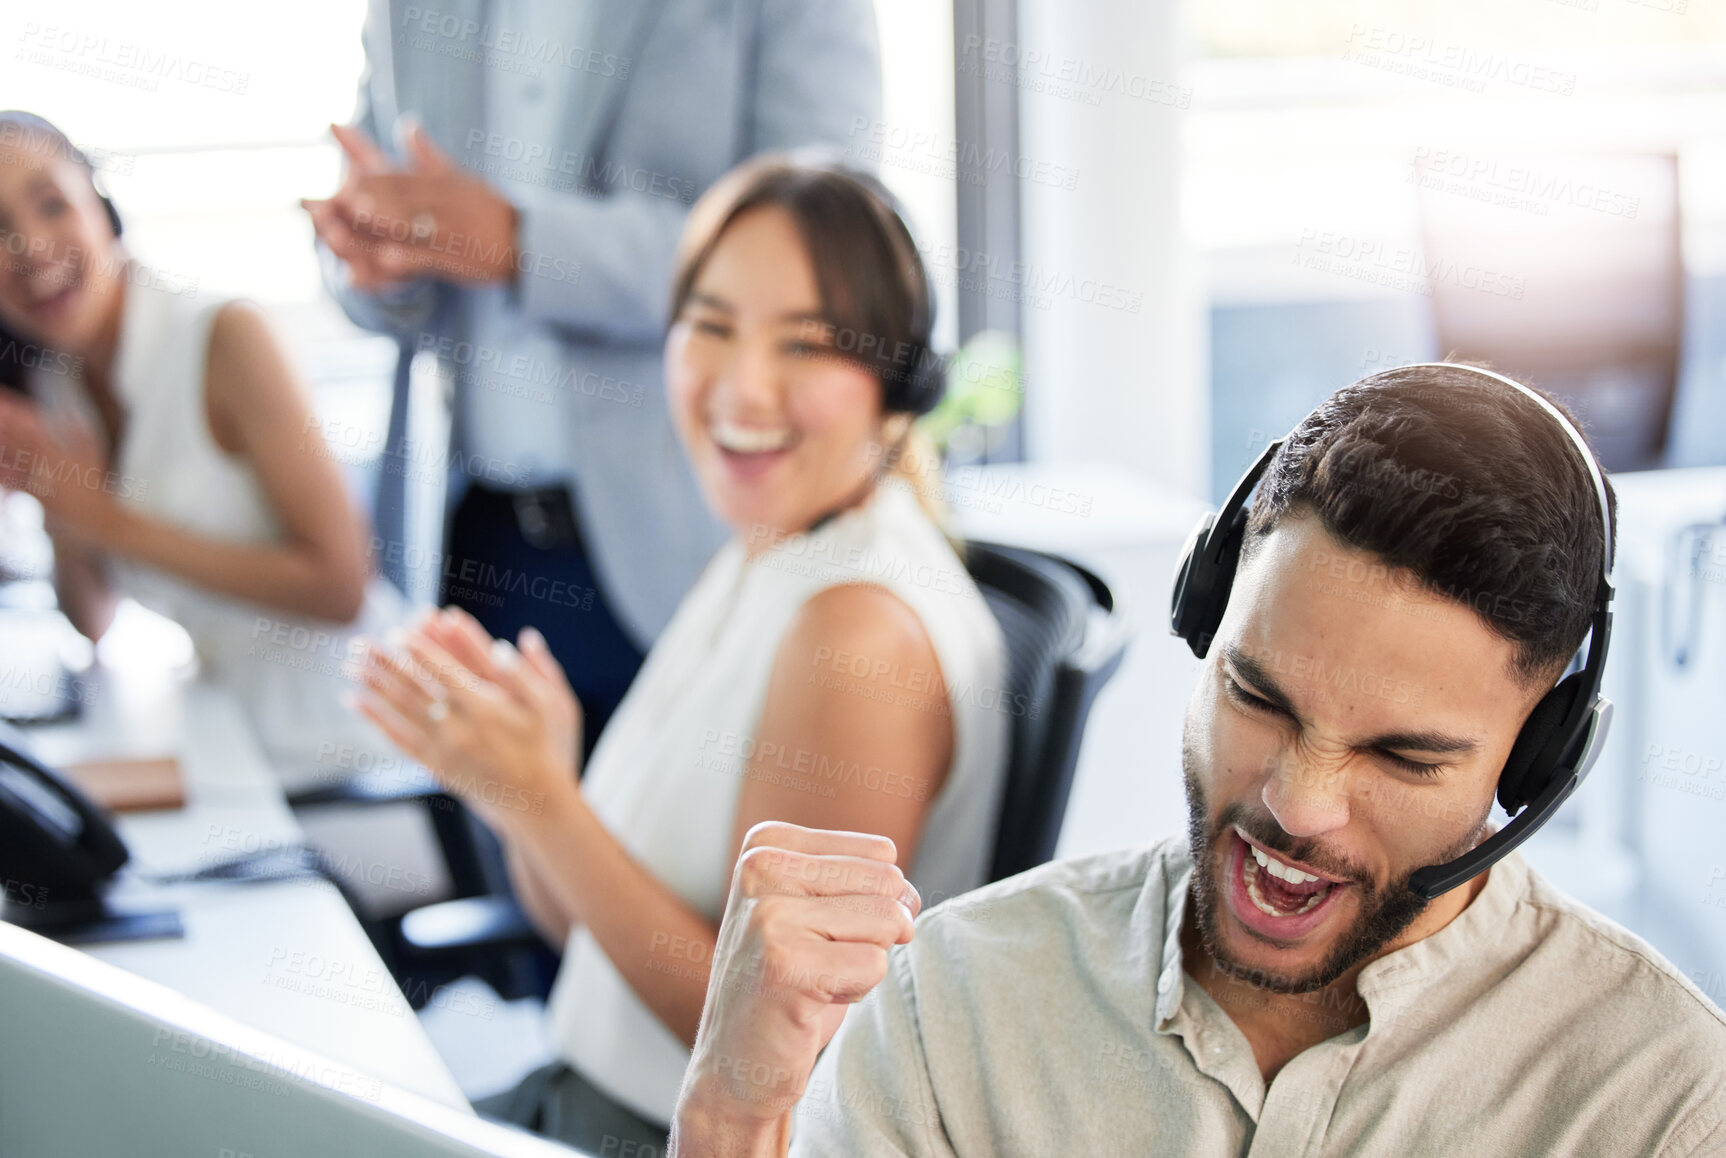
{"x": 175, "y": 455}
{"x": 825, "y": 670}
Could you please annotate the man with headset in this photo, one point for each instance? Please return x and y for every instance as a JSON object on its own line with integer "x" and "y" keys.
{"x": 1324, "y": 963}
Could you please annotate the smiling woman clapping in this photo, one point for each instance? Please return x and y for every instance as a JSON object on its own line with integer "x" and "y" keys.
{"x": 825, "y": 670}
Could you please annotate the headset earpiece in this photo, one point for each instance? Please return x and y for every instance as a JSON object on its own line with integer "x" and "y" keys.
{"x": 113, "y": 213}
{"x": 1207, "y": 568}
{"x": 1541, "y": 745}
{"x": 918, "y": 388}
{"x": 1202, "y": 581}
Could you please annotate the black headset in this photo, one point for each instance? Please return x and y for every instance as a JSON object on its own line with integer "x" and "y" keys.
{"x": 108, "y": 205}
{"x": 1563, "y": 735}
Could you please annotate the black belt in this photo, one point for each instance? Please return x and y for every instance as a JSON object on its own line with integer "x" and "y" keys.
{"x": 544, "y": 516}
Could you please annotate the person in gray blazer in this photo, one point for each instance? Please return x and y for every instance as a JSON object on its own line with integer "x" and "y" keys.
{"x": 519, "y": 172}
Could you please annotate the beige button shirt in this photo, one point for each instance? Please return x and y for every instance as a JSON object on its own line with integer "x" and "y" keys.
{"x": 1050, "y": 1015}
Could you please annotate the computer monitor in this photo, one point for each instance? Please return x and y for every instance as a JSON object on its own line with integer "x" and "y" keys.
{"x": 96, "y": 1061}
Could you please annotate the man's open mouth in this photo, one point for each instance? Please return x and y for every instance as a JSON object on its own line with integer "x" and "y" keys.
{"x": 1273, "y": 897}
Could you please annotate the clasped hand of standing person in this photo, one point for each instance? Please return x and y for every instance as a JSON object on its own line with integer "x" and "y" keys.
{"x": 430, "y": 219}
{"x": 497, "y": 726}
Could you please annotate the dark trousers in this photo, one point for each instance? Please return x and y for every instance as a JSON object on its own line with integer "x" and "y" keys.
{"x": 515, "y": 561}
{"x": 493, "y": 570}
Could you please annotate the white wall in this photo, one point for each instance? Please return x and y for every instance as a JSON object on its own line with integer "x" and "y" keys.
{"x": 910, "y": 146}
{"x": 1115, "y": 364}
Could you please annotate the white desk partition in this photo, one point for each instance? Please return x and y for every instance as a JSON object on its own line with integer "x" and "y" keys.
{"x": 287, "y": 958}
{"x": 97, "y": 1062}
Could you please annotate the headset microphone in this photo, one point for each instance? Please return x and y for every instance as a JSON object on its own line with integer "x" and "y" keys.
{"x": 1563, "y": 735}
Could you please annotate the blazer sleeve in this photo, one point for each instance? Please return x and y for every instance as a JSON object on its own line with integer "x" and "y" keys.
{"x": 407, "y": 309}
{"x": 817, "y": 75}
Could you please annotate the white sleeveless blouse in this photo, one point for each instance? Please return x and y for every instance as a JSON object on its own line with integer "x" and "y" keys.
{"x": 666, "y": 776}
{"x": 288, "y": 671}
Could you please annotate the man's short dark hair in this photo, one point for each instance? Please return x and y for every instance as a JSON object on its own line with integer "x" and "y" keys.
{"x": 1465, "y": 484}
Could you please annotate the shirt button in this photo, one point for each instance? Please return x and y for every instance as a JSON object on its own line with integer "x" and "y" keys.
{"x": 532, "y": 91}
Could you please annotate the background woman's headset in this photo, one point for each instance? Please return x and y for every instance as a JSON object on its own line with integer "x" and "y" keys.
{"x": 1563, "y": 735}
{"x": 915, "y": 386}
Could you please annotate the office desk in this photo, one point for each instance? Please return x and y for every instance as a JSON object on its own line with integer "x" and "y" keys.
{"x": 286, "y": 957}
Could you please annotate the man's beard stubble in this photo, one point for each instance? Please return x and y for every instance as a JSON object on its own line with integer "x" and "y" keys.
{"x": 1384, "y": 913}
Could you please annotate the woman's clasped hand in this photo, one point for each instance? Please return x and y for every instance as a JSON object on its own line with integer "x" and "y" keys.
{"x": 496, "y": 724}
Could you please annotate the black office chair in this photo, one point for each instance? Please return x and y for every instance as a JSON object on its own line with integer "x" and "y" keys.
{"x": 1066, "y": 633}
{"x": 1587, "y": 295}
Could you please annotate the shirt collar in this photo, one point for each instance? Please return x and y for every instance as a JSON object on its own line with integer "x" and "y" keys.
{"x": 1171, "y": 982}
{"x": 1454, "y": 964}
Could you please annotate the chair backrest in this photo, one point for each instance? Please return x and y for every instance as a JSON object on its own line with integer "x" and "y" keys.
{"x": 1059, "y": 655}
{"x": 1564, "y": 270}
